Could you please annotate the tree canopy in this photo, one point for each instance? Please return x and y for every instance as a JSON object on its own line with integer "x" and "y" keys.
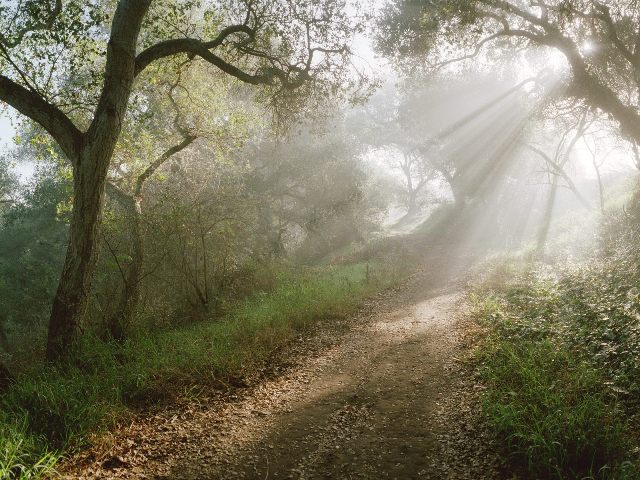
{"x": 598, "y": 41}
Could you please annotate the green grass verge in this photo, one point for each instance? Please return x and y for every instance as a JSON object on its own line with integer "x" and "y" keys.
{"x": 561, "y": 408}
{"x": 50, "y": 411}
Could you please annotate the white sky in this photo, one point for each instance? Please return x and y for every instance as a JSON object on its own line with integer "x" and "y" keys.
{"x": 6, "y": 130}
{"x": 24, "y": 169}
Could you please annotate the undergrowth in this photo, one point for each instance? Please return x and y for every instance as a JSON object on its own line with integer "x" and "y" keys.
{"x": 561, "y": 365}
{"x": 50, "y": 411}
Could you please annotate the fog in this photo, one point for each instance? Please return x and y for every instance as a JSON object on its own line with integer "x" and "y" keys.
{"x": 494, "y": 147}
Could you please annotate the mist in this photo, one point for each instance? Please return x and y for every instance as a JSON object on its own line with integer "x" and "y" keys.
{"x": 326, "y": 239}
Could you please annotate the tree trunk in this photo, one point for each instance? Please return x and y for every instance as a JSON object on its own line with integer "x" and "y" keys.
{"x": 412, "y": 203}
{"x": 89, "y": 177}
{"x": 601, "y": 193}
{"x": 129, "y": 296}
{"x": 543, "y": 233}
{"x": 600, "y": 185}
{"x": 588, "y": 87}
{"x": 71, "y": 297}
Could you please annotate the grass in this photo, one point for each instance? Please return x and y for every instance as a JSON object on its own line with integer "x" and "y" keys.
{"x": 23, "y": 455}
{"x": 52, "y": 411}
{"x": 560, "y": 408}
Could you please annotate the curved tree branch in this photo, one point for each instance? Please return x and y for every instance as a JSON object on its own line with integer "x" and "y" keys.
{"x": 176, "y": 46}
{"x": 166, "y": 155}
{"x": 559, "y": 171}
{"x": 194, "y": 47}
{"x": 505, "y": 32}
{"x": 52, "y": 119}
{"x": 585, "y": 84}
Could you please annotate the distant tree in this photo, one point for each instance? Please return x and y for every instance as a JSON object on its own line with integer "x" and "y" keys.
{"x": 417, "y": 173}
{"x": 469, "y": 148}
{"x": 33, "y": 236}
{"x": 384, "y": 125}
{"x": 555, "y": 162}
{"x": 130, "y": 201}
{"x": 201, "y": 230}
{"x": 599, "y": 151}
{"x": 314, "y": 184}
{"x": 285, "y": 46}
{"x": 173, "y": 120}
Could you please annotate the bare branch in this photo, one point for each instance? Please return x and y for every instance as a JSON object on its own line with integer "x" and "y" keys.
{"x": 188, "y": 140}
{"x": 558, "y": 171}
{"x": 176, "y": 46}
{"x": 195, "y": 47}
{"x": 115, "y": 258}
{"x": 502, "y": 33}
{"x": 18, "y": 70}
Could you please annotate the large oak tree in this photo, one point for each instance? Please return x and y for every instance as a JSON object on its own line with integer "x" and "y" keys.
{"x": 72, "y": 68}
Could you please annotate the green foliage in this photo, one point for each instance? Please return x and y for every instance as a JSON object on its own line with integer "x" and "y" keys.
{"x": 54, "y": 49}
{"x": 61, "y": 52}
{"x": 554, "y": 392}
{"x": 59, "y": 407}
{"x": 408, "y": 29}
{"x": 32, "y": 243}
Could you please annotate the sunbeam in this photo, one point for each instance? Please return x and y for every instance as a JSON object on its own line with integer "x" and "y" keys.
{"x": 256, "y": 239}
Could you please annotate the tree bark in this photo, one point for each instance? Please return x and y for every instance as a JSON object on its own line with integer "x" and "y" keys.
{"x": 129, "y": 295}
{"x": 90, "y": 173}
{"x": 71, "y": 297}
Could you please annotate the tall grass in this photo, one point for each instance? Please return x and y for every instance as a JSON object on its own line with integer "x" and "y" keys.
{"x": 544, "y": 397}
{"x": 52, "y": 410}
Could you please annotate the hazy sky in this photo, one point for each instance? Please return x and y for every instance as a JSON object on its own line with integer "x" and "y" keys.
{"x": 6, "y": 130}
{"x": 23, "y": 169}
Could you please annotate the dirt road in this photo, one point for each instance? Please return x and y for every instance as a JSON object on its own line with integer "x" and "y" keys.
{"x": 387, "y": 398}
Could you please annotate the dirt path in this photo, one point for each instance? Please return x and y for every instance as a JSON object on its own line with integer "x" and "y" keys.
{"x": 388, "y": 399}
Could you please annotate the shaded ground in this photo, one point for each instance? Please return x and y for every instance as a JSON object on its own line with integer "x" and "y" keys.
{"x": 387, "y": 397}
